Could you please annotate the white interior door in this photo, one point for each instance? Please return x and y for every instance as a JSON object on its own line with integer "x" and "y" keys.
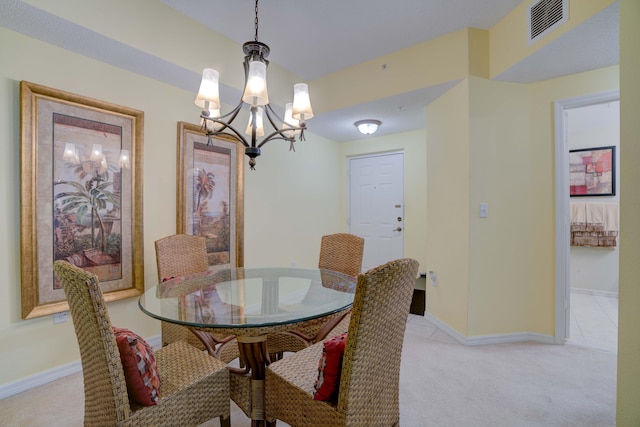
{"x": 376, "y": 206}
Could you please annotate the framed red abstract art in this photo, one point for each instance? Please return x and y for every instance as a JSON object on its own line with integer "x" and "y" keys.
{"x": 592, "y": 172}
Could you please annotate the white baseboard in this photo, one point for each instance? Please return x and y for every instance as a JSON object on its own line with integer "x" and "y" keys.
{"x": 488, "y": 339}
{"x": 510, "y": 338}
{"x": 446, "y": 328}
{"x": 595, "y": 292}
{"x": 50, "y": 375}
{"x": 39, "y": 379}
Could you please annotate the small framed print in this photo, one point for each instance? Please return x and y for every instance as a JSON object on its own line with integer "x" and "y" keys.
{"x": 592, "y": 172}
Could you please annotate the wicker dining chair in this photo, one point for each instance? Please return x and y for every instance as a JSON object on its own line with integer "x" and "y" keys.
{"x": 338, "y": 252}
{"x": 341, "y": 252}
{"x": 194, "y": 387}
{"x": 368, "y": 393}
{"x": 179, "y": 255}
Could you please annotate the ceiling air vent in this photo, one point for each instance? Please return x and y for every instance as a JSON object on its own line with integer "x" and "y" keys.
{"x": 546, "y": 15}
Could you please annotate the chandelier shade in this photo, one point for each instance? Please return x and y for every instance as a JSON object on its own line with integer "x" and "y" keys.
{"x": 301, "y": 102}
{"x": 256, "y": 122}
{"x": 209, "y": 94}
{"x": 289, "y": 121}
{"x": 255, "y": 93}
{"x": 210, "y": 125}
{"x": 256, "y": 97}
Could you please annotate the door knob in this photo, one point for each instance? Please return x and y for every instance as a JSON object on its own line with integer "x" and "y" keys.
{"x": 398, "y": 229}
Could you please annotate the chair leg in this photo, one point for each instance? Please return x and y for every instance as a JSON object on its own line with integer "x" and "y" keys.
{"x": 226, "y": 421}
{"x": 276, "y": 356}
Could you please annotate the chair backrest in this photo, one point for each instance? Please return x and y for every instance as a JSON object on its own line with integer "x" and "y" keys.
{"x": 369, "y": 383}
{"x": 106, "y": 401}
{"x": 181, "y": 254}
{"x": 342, "y": 252}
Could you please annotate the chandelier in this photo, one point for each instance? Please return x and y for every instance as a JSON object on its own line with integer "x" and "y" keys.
{"x": 255, "y": 96}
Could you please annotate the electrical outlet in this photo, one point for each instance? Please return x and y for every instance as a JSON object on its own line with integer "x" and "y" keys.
{"x": 61, "y": 317}
{"x": 434, "y": 278}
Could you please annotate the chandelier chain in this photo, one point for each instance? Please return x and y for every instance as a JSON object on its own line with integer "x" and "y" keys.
{"x": 256, "y": 21}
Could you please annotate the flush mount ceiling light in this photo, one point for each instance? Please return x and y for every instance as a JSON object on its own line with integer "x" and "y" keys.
{"x": 256, "y": 97}
{"x": 367, "y": 127}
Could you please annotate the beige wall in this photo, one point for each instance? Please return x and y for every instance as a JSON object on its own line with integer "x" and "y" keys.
{"x": 286, "y": 193}
{"x": 405, "y": 70}
{"x": 500, "y": 175}
{"x": 447, "y": 242}
{"x": 291, "y": 201}
{"x": 628, "y": 413}
{"x": 492, "y": 142}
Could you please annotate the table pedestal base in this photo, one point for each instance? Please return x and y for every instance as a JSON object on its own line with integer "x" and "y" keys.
{"x": 254, "y": 355}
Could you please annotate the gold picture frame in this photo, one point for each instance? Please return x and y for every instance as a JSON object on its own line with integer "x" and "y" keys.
{"x": 81, "y": 195}
{"x": 210, "y": 193}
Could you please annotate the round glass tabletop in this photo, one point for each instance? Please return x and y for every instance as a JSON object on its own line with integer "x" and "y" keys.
{"x": 249, "y": 297}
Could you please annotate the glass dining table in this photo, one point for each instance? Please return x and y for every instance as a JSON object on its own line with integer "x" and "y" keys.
{"x": 251, "y": 303}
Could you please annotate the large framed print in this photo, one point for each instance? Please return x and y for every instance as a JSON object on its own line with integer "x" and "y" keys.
{"x": 210, "y": 196}
{"x": 592, "y": 172}
{"x": 81, "y": 195}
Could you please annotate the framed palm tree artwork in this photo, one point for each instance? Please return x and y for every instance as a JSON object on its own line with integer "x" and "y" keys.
{"x": 210, "y": 196}
{"x": 81, "y": 195}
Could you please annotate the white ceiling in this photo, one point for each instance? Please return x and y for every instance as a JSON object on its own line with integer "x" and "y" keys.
{"x": 312, "y": 38}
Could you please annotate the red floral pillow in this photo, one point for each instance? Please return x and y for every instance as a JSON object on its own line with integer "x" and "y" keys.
{"x": 329, "y": 367}
{"x": 140, "y": 369}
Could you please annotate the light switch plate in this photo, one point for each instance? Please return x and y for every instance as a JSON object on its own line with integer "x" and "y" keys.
{"x": 484, "y": 210}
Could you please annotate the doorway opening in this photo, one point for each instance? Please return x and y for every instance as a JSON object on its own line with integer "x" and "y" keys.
{"x": 584, "y": 122}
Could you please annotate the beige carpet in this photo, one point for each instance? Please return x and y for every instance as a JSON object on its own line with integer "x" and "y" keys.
{"x": 442, "y": 384}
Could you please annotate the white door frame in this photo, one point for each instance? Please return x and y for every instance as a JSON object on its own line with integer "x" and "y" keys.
{"x": 563, "y": 284}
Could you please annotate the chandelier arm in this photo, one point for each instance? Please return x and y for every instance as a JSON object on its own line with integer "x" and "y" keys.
{"x": 283, "y": 132}
{"x": 230, "y": 135}
{"x": 277, "y": 135}
{"x": 233, "y": 113}
{"x": 227, "y": 125}
{"x": 269, "y": 111}
{"x": 234, "y": 133}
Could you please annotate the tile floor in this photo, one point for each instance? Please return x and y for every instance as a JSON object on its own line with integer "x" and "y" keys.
{"x": 594, "y": 321}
